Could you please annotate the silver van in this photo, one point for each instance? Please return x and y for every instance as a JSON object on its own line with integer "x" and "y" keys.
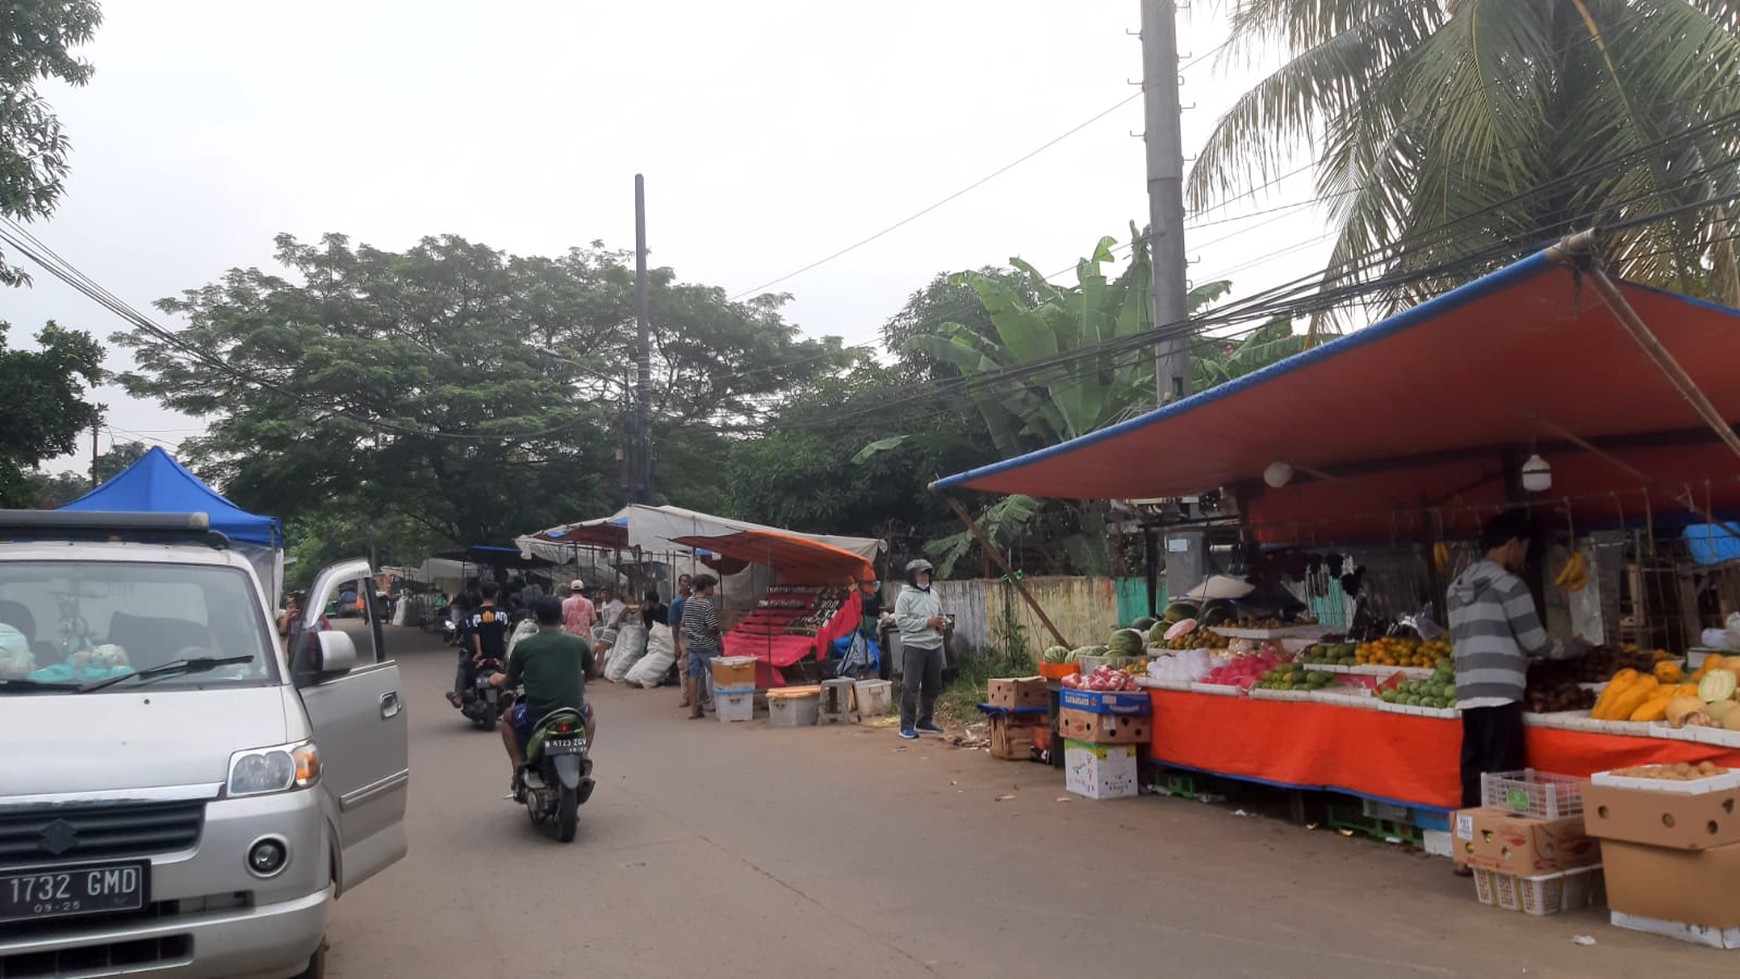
{"x": 179, "y": 793}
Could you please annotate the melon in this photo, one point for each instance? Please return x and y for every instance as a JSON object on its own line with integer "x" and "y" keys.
{"x": 1731, "y": 721}
{"x": 1126, "y": 642}
{"x": 1721, "y": 708}
{"x": 1717, "y": 685}
{"x": 1217, "y": 613}
{"x": 1143, "y": 624}
{"x": 1179, "y": 611}
{"x": 1181, "y": 628}
{"x": 1055, "y": 654}
{"x": 1157, "y": 635}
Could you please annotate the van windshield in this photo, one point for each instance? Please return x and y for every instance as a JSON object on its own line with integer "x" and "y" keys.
{"x": 74, "y": 623}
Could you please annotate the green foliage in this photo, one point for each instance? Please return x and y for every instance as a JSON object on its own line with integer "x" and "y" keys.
{"x": 46, "y": 410}
{"x": 1505, "y": 122}
{"x": 36, "y": 42}
{"x": 49, "y": 491}
{"x": 1007, "y": 521}
{"x": 474, "y": 393}
{"x": 120, "y": 455}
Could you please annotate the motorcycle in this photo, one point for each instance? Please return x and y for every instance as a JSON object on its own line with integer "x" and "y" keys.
{"x": 484, "y": 702}
{"x": 557, "y": 777}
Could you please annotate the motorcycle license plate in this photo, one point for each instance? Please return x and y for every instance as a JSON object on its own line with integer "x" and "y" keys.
{"x": 54, "y": 892}
{"x": 564, "y": 746}
{"x": 482, "y": 682}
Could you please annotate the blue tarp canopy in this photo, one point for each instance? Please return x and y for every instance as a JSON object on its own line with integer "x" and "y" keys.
{"x": 159, "y": 484}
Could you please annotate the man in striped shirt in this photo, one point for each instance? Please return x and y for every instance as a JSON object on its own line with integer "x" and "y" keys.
{"x": 700, "y": 637}
{"x": 1494, "y": 628}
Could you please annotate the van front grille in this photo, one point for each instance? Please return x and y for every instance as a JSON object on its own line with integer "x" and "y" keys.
{"x": 102, "y": 959}
{"x": 82, "y": 832}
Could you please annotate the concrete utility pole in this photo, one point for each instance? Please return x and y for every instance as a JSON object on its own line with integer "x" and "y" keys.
{"x": 640, "y": 477}
{"x": 1165, "y": 144}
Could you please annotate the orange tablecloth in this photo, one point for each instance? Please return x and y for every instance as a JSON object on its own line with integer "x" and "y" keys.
{"x": 1409, "y": 760}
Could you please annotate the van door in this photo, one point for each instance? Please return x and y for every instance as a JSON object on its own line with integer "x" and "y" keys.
{"x": 358, "y": 714}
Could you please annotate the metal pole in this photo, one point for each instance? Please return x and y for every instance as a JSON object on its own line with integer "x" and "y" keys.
{"x": 94, "y": 455}
{"x": 1002, "y": 562}
{"x": 642, "y": 471}
{"x": 1165, "y": 145}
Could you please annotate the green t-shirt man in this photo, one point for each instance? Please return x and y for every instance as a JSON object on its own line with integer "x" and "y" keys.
{"x": 553, "y": 666}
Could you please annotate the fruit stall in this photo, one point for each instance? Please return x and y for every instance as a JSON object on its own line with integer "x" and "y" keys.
{"x": 1611, "y": 421}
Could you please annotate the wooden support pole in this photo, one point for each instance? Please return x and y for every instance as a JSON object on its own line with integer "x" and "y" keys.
{"x": 996, "y": 556}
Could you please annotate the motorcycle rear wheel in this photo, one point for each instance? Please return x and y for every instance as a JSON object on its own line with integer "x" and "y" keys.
{"x": 567, "y": 814}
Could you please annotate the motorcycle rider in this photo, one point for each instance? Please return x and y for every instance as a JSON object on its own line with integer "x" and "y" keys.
{"x": 485, "y": 637}
{"x": 553, "y": 666}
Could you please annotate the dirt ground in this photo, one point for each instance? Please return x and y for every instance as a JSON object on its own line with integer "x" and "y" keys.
{"x": 749, "y": 850}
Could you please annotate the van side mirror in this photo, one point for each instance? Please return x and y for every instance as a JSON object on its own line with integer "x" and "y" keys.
{"x": 334, "y": 652}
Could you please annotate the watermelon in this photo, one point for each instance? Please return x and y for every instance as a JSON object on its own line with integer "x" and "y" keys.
{"x": 1126, "y": 642}
{"x": 1079, "y": 652}
{"x": 1217, "y": 612}
{"x": 1143, "y": 624}
{"x": 1055, "y": 654}
{"x": 1157, "y": 635}
{"x": 1179, "y": 611}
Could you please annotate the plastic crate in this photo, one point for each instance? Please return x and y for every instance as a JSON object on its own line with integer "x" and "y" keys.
{"x": 1352, "y": 819}
{"x": 1566, "y": 890}
{"x": 1541, "y": 795}
{"x": 734, "y": 706}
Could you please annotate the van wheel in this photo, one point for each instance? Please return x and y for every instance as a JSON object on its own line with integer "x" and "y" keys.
{"x": 316, "y": 964}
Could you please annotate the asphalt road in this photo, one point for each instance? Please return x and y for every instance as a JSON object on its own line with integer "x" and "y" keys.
{"x": 742, "y": 849}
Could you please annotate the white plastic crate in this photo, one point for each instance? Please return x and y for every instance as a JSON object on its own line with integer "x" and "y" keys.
{"x": 1542, "y": 795}
{"x": 734, "y": 706}
{"x": 1540, "y": 895}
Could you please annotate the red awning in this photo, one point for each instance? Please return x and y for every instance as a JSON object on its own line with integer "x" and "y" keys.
{"x": 1417, "y": 417}
{"x": 810, "y": 561}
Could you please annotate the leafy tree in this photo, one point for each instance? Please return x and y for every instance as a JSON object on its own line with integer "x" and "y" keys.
{"x": 477, "y": 393}
{"x": 1447, "y": 133}
{"x": 51, "y": 490}
{"x": 36, "y": 42}
{"x": 120, "y": 455}
{"x": 46, "y": 410}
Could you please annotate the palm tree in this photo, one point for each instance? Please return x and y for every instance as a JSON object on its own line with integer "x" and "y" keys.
{"x": 1448, "y": 134}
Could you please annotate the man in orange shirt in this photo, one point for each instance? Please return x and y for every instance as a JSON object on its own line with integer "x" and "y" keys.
{"x": 578, "y": 615}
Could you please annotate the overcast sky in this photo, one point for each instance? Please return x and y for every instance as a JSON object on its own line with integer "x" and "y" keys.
{"x": 771, "y": 132}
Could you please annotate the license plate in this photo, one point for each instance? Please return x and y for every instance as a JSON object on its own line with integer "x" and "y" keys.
{"x": 564, "y": 746}
{"x": 53, "y": 892}
{"x": 482, "y": 682}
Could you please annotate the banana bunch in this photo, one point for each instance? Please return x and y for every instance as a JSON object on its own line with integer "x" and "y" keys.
{"x": 1574, "y": 576}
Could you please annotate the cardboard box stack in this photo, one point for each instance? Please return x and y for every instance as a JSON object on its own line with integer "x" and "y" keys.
{"x": 1527, "y": 845}
{"x": 1020, "y": 713}
{"x": 1670, "y": 839}
{"x": 1103, "y": 731}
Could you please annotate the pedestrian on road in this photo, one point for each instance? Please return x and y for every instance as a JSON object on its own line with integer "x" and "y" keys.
{"x": 700, "y": 638}
{"x": 1494, "y": 628}
{"x": 918, "y": 613}
{"x": 578, "y": 615}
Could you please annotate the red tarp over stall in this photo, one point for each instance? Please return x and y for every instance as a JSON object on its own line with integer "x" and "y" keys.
{"x": 799, "y": 561}
{"x": 1414, "y": 416}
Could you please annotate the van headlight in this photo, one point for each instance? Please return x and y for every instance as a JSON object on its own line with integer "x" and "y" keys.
{"x": 259, "y": 771}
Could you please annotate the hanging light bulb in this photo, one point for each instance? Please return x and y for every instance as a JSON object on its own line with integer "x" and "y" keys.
{"x": 1537, "y": 475}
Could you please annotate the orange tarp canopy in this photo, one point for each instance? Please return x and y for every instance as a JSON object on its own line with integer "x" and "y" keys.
{"x": 796, "y": 557}
{"x": 1419, "y": 418}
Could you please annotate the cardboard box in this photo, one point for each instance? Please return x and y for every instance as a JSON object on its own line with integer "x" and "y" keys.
{"x": 1662, "y": 817}
{"x": 1106, "y": 701}
{"x": 1694, "y": 887}
{"x": 1492, "y": 839}
{"x": 1081, "y": 725}
{"x": 1013, "y": 738}
{"x": 1678, "y": 930}
{"x": 1099, "y": 771}
{"x": 1016, "y": 692}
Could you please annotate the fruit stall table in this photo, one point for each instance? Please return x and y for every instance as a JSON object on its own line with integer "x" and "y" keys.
{"x": 1391, "y": 757}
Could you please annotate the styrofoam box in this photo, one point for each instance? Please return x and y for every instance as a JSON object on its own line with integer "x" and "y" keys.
{"x": 1155, "y": 684}
{"x": 794, "y": 711}
{"x": 734, "y": 706}
{"x": 1215, "y": 689}
{"x": 1715, "y": 783}
{"x": 1696, "y": 934}
{"x": 1437, "y": 843}
{"x": 1716, "y": 736}
{"x": 875, "y": 697}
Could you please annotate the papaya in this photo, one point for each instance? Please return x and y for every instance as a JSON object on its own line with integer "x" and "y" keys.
{"x": 1628, "y": 700}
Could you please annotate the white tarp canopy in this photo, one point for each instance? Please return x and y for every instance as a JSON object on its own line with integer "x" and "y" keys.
{"x": 654, "y": 530}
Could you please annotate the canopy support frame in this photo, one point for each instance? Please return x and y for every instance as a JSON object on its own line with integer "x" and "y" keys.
{"x": 997, "y": 556}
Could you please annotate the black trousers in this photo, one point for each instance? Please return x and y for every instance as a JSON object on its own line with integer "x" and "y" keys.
{"x": 1492, "y": 741}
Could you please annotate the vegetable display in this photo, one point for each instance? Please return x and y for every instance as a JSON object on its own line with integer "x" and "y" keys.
{"x": 1680, "y": 772}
